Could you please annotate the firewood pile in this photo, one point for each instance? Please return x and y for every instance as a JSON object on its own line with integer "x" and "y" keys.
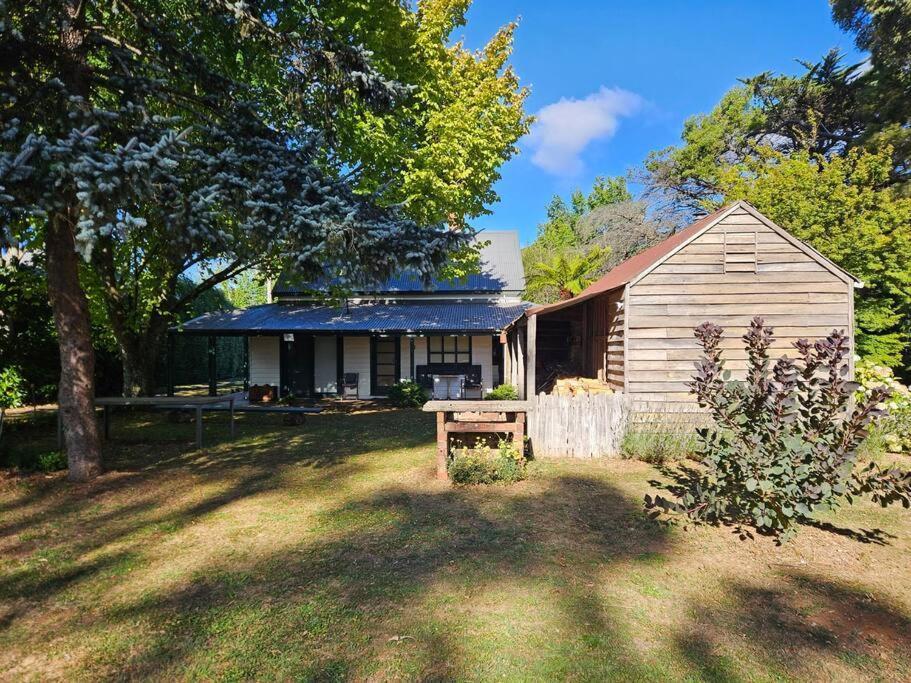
{"x": 576, "y": 386}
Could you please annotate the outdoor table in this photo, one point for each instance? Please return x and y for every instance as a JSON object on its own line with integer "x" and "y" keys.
{"x": 195, "y": 403}
{"x": 461, "y": 417}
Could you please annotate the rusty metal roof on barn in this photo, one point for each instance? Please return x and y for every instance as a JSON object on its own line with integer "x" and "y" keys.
{"x": 362, "y": 318}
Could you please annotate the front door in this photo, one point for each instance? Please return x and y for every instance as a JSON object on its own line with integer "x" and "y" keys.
{"x": 296, "y": 365}
{"x": 384, "y": 364}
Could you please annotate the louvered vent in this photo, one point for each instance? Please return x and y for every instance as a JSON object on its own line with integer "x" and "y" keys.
{"x": 740, "y": 252}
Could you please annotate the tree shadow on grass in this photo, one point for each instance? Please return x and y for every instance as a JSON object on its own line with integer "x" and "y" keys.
{"x": 799, "y": 626}
{"x": 378, "y": 591}
{"x": 681, "y": 478}
{"x": 134, "y": 504}
{"x": 394, "y": 560}
{"x": 263, "y": 448}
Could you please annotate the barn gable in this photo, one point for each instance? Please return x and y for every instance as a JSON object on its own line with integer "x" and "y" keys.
{"x": 634, "y": 326}
{"x": 739, "y": 266}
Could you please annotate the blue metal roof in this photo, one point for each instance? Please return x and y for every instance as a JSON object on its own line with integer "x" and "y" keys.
{"x": 501, "y": 271}
{"x": 443, "y": 316}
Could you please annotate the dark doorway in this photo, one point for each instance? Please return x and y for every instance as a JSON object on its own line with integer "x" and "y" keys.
{"x": 384, "y": 364}
{"x": 296, "y": 365}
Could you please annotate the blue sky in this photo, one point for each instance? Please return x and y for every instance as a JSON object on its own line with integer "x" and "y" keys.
{"x": 614, "y": 80}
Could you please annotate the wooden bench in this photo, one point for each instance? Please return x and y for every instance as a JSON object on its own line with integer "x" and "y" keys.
{"x": 474, "y": 417}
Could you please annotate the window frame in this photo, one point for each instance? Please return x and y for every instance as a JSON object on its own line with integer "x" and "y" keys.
{"x": 437, "y": 352}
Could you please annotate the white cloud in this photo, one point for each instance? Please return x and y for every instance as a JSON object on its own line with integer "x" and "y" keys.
{"x": 565, "y": 128}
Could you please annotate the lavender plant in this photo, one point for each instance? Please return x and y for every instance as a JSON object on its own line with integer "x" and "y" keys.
{"x": 784, "y": 442}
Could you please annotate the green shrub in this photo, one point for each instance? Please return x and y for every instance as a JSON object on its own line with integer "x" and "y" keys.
{"x": 12, "y": 391}
{"x": 892, "y": 433}
{"x": 784, "y": 442}
{"x": 503, "y": 392}
{"x": 485, "y": 465}
{"x": 408, "y": 394}
{"x": 52, "y": 461}
{"x": 12, "y": 388}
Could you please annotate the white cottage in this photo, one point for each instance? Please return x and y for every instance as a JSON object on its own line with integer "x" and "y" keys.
{"x": 398, "y": 330}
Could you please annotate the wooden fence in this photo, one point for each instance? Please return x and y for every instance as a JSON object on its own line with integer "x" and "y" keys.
{"x": 587, "y": 426}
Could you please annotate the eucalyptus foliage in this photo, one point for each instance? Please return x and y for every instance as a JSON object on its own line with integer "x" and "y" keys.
{"x": 826, "y": 153}
{"x": 783, "y": 443}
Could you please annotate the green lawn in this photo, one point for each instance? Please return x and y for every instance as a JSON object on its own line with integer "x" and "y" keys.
{"x": 328, "y": 551}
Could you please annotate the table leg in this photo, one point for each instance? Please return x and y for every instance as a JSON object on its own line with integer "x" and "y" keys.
{"x": 59, "y": 430}
{"x": 442, "y": 447}
{"x": 107, "y": 422}
{"x": 231, "y": 404}
{"x": 199, "y": 427}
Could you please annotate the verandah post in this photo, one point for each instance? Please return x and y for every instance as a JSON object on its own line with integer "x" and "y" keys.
{"x": 246, "y": 364}
{"x": 531, "y": 344}
{"x": 339, "y": 364}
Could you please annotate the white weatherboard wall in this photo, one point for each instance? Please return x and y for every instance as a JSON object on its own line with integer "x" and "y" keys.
{"x": 264, "y": 362}
{"x": 482, "y": 354}
{"x": 405, "y": 357}
{"x": 357, "y": 359}
{"x": 324, "y": 367}
{"x": 420, "y": 351}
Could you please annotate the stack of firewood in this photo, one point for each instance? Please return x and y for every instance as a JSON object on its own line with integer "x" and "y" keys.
{"x": 575, "y": 386}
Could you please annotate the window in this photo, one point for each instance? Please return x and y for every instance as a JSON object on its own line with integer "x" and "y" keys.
{"x": 449, "y": 349}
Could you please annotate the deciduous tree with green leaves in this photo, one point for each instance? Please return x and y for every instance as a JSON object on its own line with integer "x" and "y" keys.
{"x": 846, "y": 209}
{"x": 439, "y": 152}
{"x": 144, "y": 137}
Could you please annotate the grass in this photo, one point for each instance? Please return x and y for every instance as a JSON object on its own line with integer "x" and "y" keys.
{"x": 329, "y": 552}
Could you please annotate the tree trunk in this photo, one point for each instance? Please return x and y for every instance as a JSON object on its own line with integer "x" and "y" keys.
{"x": 139, "y": 353}
{"x": 76, "y": 396}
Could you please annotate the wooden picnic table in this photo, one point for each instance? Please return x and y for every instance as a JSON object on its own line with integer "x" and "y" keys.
{"x": 475, "y": 417}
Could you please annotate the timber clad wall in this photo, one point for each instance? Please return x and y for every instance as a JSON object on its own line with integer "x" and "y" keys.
{"x": 602, "y": 338}
{"x": 737, "y": 269}
{"x": 613, "y": 346}
{"x": 482, "y": 354}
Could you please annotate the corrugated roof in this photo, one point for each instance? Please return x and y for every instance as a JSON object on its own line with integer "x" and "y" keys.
{"x": 364, "y": 317}
{"x": 501, "y": 271}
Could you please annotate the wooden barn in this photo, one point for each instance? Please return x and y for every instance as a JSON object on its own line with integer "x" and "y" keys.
{"x": 633, "y": 328}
